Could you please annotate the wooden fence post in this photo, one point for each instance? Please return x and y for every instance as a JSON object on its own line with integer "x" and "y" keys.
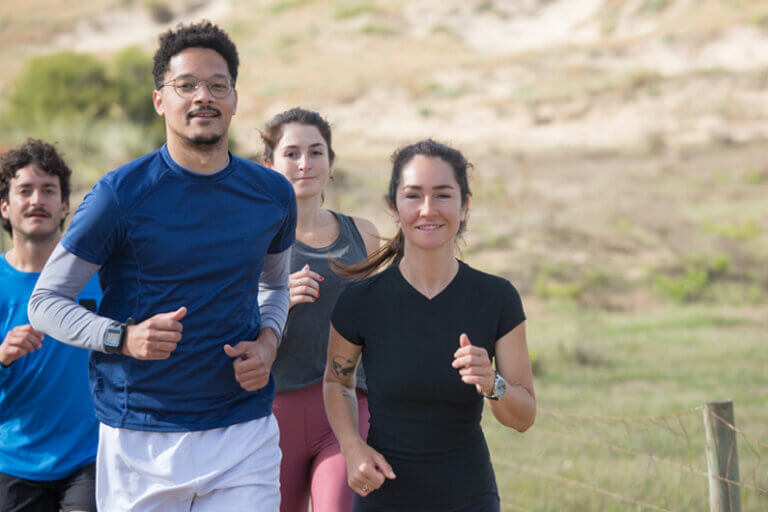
{"x": 722, "y": 458}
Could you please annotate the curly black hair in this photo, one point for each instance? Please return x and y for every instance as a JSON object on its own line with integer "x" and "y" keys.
{"x": 197, "y": 35}
{"x": 42, "y": 154}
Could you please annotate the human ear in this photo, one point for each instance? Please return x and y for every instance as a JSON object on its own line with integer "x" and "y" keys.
{"x": 157, "y": 102}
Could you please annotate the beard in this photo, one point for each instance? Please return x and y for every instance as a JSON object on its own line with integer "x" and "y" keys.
{"x": 205, "y": 143}
{"x": 200, "y": 141}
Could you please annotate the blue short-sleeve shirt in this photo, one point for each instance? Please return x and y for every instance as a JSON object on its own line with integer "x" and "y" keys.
{"x": 167, "y": 237}
{"x": 47, "y": 426}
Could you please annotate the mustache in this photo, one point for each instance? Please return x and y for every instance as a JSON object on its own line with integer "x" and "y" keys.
{"x": 37, "y": 211}
{"x": 207, "y": 109}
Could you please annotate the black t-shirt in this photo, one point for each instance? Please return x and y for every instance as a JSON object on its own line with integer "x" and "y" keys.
{"x": 424, "y": 419}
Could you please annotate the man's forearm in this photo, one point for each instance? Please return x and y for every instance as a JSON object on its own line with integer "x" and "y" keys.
{"x": 274, "y": 295}
{"x": 53, "y": 308}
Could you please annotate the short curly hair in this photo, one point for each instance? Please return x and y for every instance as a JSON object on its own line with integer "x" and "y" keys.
{"x": 42, "y": 154}
{"x": 197, "y": 35}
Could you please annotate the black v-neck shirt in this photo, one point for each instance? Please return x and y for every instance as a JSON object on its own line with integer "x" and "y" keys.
{"x": 424, "y": 419}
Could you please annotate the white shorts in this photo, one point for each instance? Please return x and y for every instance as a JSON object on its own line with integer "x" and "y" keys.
{"x": 235, "y": 468}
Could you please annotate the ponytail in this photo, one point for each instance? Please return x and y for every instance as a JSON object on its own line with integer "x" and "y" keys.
{"x": 388, "y": 254}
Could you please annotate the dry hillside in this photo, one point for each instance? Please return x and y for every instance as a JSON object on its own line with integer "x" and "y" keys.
{"x": 614, "y": 140}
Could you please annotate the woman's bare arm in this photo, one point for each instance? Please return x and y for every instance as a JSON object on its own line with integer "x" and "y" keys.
{"x": 366, "y": 468}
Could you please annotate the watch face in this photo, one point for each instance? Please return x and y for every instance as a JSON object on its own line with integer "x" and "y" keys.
{"x": 113, "y": 336}
{"x": 500, "y": 386}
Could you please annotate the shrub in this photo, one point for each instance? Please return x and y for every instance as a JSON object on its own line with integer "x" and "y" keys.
{"x": 354, "y": 9}
{"x": 90, "y": 108}
{"x": 59, "y": 87}
{"x": 742, "y": 231}
{"x": 686, "y": 287}
{"x": 132, "y": 79}
{"x": 546, "y": 287}
{"x": 286, "y": 5}
{"x": 159, "y": 11}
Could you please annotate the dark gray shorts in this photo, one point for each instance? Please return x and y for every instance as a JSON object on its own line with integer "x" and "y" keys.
{"x": 75, "y": 492}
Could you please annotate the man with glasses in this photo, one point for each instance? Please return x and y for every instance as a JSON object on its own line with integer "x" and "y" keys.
{"x": 191, "y": 244}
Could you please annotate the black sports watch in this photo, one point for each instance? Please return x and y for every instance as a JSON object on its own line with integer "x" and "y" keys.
{"x": 499, "y": 388}
{"x": 114, "y": 337}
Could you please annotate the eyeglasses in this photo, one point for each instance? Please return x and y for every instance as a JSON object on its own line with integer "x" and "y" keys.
{"x": 187, "y": 86}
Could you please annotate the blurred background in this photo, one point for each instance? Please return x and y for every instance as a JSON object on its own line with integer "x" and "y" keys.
{"x": 620, "y": 183}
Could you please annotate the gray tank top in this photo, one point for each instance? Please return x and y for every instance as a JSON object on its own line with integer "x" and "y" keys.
{"x": 302, "y": 355}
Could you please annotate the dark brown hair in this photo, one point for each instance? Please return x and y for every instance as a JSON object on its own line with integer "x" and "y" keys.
{"x": 42, "y": 154}
{"x": 392, "y": 251}
{"x": 273, "y": 130}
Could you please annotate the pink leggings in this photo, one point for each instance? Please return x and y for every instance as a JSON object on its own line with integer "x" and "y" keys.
{"x": 312, "y": 466}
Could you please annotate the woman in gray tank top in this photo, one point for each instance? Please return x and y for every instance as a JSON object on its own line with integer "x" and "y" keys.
{"x": 297, "y": 143}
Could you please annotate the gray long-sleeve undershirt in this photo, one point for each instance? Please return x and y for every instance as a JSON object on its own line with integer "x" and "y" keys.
{"x": 53, "y": 308}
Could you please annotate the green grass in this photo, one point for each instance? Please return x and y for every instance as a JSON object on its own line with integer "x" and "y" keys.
{"x": 377, "y": 29}
{"x": 354, "y": 9}
{"x": 656, "y": 363}
{"x": 742, "y": 231}
{"x": 286, "y": 5}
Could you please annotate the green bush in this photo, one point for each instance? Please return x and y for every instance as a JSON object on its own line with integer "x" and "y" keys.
{"x": 745, "y": 231}
{"x": 131, "y": 73}
{"x": 70, "y": 89}
{"x": 354, "y": 9}
{"x": 686, "y": 287}
{"x": 101, "y": 114}
{"x": 286, "y": 5}
{"x": 546, "y": 287}
{"x": 59, "y": 87}
{"x": 159, "y": 10}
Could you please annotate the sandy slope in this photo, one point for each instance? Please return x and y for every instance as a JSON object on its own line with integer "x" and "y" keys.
{"x": 529, "y": 75}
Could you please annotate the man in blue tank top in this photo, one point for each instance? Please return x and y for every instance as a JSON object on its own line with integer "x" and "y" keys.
{"x": 191, "y": 244}
{"x": 48, "y": 432}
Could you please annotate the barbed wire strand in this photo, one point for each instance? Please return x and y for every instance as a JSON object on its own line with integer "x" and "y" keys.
{"x": 664, "y": 418}
{"x": 747, "y": 437}
{"x": 758, "y": 457}
{"x": 617, "y": 419}
{"x": 655, "y": 458}
{"x": 737, "y": 430}
{"x": 579, "y": 483}
{"x": 688, "y": 447}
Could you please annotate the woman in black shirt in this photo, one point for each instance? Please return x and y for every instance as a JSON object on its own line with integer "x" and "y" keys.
{"x": 427, "y": 327}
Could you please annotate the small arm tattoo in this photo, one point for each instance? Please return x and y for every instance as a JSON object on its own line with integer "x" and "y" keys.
{"x": 342, "y": 366}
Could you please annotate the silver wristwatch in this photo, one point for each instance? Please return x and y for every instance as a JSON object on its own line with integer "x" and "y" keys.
{"x": 499, "y": 388}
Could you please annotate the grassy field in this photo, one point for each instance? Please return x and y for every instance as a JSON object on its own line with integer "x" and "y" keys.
{"x": 661, "y": 362}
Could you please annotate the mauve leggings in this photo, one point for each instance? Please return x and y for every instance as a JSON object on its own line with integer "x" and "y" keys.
{"x": 312, "y": 465}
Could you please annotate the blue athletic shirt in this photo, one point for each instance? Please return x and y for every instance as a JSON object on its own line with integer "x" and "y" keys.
{"x": 165, "y": 237}
{"x": 47, "y": 426}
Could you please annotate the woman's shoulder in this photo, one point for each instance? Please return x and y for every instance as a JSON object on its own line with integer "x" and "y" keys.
{"x": 368, "y": 232}
{"x": 485, "y": 281}
{"x": 371, "y": 284}
{"x": 360, "y": 295}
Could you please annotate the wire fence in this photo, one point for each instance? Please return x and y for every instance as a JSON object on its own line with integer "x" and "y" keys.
{"x": 640, "y": 446}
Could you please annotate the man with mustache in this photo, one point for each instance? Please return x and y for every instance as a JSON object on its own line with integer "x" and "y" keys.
{"x": 48, "y": 432}
{"x": 192, "y": 248}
